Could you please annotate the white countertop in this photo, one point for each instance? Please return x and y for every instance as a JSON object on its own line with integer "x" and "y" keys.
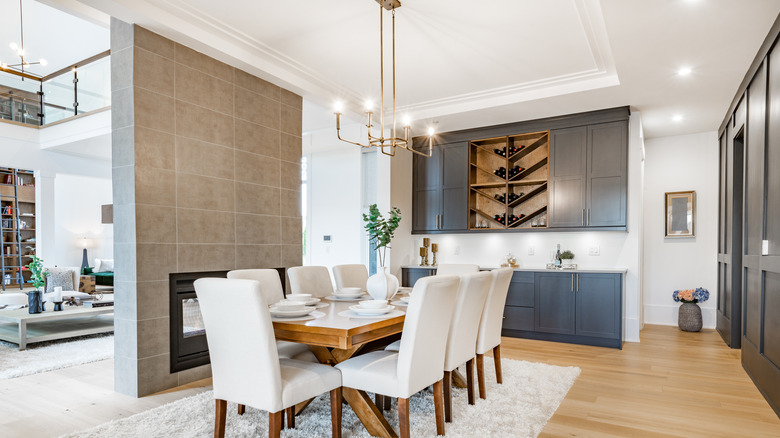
{"x": 541, "y": 269}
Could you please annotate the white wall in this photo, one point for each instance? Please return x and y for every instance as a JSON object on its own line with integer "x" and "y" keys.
{"x": 679, "y": 163}
{"x": 65, "y": 185}
{"x": 77, "y": 201}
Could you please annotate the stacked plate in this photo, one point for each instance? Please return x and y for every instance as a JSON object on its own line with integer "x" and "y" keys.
{"x": 372, "y": 308}
{"x": 348, "y": 294}
{"x": 291, "y": 309}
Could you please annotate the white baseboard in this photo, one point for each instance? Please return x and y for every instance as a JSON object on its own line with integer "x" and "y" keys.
{"x": 667, "y": 315}
{"x": 631, "y": 333}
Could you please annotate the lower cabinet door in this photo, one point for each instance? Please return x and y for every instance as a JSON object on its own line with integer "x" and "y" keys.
{"x": 518, "y": 318}
{"x": 598, "y": 305}
{"x": 410, "y": 276}
{"x": 554, "y": 302}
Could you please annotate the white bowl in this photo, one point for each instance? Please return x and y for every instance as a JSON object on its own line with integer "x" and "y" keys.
{"x": 290, "y": 305}
{"x": 349, "y": 291}
{"x": 373, "y": 304}
{"x": 299, "y": 297}
{"x": 406, "y": 299}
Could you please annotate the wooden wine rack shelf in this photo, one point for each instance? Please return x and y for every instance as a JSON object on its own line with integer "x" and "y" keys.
{"x": 488, "y": 155}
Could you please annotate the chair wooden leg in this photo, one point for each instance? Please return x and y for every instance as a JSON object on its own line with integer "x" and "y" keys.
{"x": 220, "y": 418}
{"x": 403, "y": 417}
{"x": 241, "y": 409}
{"x": 275, "y": 424}
{"x": 379, "y": 401}
{"x": 448, "y": 396}
{"x": 481, "y": 376}
{"x": 387, "y": 402}
{"x": 438, "y": 404}
{"x": 470, "y": 380}
{"x": 283, "y": 411}
{"x": 335, "y": 412}
{"x": 291, "y": 417}
{"x": 497, "y": 360}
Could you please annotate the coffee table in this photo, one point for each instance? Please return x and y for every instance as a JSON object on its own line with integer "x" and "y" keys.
{"x": 21, "y": 327}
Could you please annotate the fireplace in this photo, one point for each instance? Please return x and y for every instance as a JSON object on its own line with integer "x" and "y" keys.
{"x": 189, "y": 348}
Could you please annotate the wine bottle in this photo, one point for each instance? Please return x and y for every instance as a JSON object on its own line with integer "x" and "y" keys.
{"x": 558, "y": 256}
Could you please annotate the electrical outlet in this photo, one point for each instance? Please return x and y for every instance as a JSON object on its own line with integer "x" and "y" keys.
{"x": 457, "y": 250}
{"x": 530, "y": 250}
{"x": 594, "y": 250}
{"x": 764, "y": 247}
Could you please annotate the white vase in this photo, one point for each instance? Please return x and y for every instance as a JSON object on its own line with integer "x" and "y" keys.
{"x": 382, "y": 285}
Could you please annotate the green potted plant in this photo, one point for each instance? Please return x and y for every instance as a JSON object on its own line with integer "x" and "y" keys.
{"x": 567, "y": 257}
{"x": 38, "y": 280}
{"x": 382, "y": 285}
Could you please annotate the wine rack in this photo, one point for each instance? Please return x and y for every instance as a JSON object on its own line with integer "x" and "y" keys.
{"x": 508, "y": 182}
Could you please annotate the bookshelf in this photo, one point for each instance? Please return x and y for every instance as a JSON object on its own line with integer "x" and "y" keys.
{"x": 17, "y": 225}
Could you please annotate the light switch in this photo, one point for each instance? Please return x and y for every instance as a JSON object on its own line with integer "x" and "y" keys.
{"x": 530, "y": 250}
{"x": 594, "y": 250}
{"x": 764, "y": 247}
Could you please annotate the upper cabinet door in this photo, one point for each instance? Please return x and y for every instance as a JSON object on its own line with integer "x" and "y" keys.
{"x": 567, "y": 177}
{"x": 607, "y": 182}
{"x": 454, "y": 187}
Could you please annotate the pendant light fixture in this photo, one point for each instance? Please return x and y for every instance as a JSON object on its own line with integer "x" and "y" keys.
{"x": 20, "y": 50}
{"x": 382, "y": 142}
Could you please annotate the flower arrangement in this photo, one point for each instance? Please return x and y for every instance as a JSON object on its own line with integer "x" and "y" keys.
{"x": 380, "y": 230}
{"x": 698, "y": 295}
{"x": 38, "y": 277}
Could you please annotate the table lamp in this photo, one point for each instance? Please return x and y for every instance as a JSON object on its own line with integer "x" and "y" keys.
{"x": 84, "y": 243}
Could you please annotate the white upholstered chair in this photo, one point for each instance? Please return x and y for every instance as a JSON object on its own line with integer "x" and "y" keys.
{"x": 489, "y": 336}
{"x": 271, "y": 288}
{"x": 472, "y": 296}
{"x": 313, "y": 280}
{"x": 244, "y": 364}
{"x": 420, "y": 361}
{"x": 456, "y": 269}
{"x": 350, "y": 276}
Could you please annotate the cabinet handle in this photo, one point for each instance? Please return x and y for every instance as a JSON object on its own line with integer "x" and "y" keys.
{"x": 583, "y": 217}
{"x": 588, "y": 216}
{"x": 578, "y": 282}
{"x": 572, "y": 282}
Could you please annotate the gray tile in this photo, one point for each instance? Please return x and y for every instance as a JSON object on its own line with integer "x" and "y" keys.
{"x": 125, "y": 263}
{"x": 258, "y": 256}
{"x": 124, "y": 223}
{"x": 153, "y": 110}
{"x": 125, "y": 304}
{"x": 122, "y": 108}
{"x": 202, "y": 124}
{"x": 291, "y": 175}
{"x": 292, "y": 229}
{"x": 292, "y": 99}
{"x": 202, "y": 192}
{"x": 121, "y": 35}
{"x": 258, "y": 139}
{"x": 154, "y": 149}
{"x": 155, "y": 261}
{"x": 152, "y": 72}
{"x": 258, "y": 109}
{"x": 291, "y": 120}
{"x": 257, "y": 199}
{"x": 123, "y": 146}
{"x": 292, "y": 148}
{"x": 202, "y": 226}
{"x": 153, "y": 337}
{"x": 201, "y": 158}
{"x": 125, "y": 374}
{"x": 201, "y": 89}
{"x": 257, "y": 229}
{"x": 153, "y": 42}
{"x": 153, "y": 299}
{"x": 155, "y": 224}
{"x": 257, "y": 169}
{"x": 194, "y": 374}
{"x": 155, "y": 186}
{"x": 291, "y": 203}
{"x": 292, "y": 255}
{"x": 257, "y": 85}
{"x": 206, "y": 257}
{"x": 123, "y": 185}
{"x": 154, "y": 375}
{"x": 122, "y": 68}
{"x": 125, "y": 337}
{"x": 206, "y": 64}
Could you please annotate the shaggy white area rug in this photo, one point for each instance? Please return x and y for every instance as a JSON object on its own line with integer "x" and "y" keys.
{"x": 53, "y": 355}
{"x": 520, "y": 407}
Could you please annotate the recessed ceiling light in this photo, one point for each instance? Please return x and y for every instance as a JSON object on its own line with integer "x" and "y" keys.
{"x": 677, "y": 118}
{"x": 684, "y": 71}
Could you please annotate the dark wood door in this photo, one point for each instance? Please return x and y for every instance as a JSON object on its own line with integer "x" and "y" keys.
{"x": 554, "y": 303}
{"x": 607, "y": 183}
{"x": 568, "y": 155}
{"x": 598, "y": 307}
{"x": 454, "y": 187}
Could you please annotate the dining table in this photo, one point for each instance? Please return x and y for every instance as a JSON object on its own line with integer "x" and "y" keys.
{"x": 333, "y": 338}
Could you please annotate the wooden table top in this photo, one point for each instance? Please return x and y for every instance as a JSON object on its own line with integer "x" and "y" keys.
{"x": 333, "y": 330}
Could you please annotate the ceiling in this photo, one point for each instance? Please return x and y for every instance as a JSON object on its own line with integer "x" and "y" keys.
{"x": 60, "y": 38}
{"x": 463, "y": 64}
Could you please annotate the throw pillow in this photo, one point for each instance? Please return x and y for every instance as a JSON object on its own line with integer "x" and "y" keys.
{"x": 104, "y": 265}
{"x": 63, "y": 279}
{"x": 98, "y": 262}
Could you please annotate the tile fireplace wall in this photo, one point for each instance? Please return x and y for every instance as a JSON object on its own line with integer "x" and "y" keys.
{"x": 206, "y": 176}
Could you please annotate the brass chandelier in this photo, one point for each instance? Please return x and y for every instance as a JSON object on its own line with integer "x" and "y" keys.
{"x": 394, "y": 140}
{"x": 20, "y": 51}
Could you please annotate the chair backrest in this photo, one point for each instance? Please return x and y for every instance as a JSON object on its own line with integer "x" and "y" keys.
{"x": 270, "y": 283}
{"x": 470, "y": 302}
{"x": 456, "y": 269}
{"x": 350, "y": 276}
{"x": 493, "y": 315}
{"x": 313, "y": 280}
{"x": 424, "y": 337}
{"x": 244, "y": 360}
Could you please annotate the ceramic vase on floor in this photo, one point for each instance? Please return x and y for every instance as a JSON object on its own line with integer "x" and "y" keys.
{"x": 382, "y": 285}
{"x": 689, "y": 317}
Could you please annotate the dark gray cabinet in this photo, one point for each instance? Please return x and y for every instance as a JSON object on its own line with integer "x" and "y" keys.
{"x": 588, "y": 176}
{"x": 409, "y": 276}
{"x": 440, "y": 197}
{"x": 554, "y": 302}
{"x": 597, "y": 301}
{"x": 519, "y": 309}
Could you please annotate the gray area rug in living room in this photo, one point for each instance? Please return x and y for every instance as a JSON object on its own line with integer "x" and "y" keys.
{"x": 53, "y": 355}
{"x": 520, "y": 407}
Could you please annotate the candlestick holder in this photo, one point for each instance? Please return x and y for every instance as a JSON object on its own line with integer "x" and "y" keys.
{"x": 57, "y": 306}
{"x": 434, "y": 250}
{"x": 422, "y": 256}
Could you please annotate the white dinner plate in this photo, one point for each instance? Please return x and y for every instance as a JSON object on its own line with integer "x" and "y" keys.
{"x": 344, "y": 297}
{"x": 391, "y": 314}
{"x": 275, "y": 311}
{"x": 360, "y": 310}
{"x": 405, "y": 299}
{"x": 399, "y": 303}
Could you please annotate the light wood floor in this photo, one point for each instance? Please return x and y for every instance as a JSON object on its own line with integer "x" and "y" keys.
{"x": 671, "y": 384}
